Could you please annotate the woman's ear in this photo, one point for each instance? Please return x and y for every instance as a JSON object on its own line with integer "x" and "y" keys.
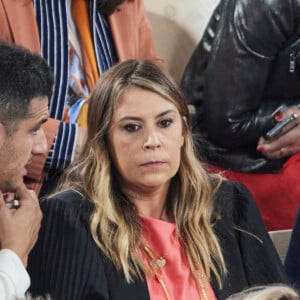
{"x": 184, "y": 127}
{"x": 3, "y": 134}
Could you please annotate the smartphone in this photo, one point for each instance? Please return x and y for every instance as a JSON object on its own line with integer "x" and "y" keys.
{"x": 277, "y": 130}
{"x": 280, "y": 109}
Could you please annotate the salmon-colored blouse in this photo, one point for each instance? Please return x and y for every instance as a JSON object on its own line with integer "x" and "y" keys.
{"x": 161, "y": 238}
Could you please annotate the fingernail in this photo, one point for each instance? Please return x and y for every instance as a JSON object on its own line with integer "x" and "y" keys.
{"x": 278, "y": 117}
{"x": 260, "y": 149}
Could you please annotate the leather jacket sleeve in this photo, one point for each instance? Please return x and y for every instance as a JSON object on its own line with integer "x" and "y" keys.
{"x": 249, "y": 38}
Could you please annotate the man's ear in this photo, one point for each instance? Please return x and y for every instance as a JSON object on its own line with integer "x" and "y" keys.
{"x": 3, "y": 134}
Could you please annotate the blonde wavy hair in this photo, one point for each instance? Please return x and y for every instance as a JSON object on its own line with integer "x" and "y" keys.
{"x": 114, "y": 223}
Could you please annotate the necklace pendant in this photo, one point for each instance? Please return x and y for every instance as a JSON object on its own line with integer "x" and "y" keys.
{"x": 158, "y": 263}
{"x": 161, "y": 262}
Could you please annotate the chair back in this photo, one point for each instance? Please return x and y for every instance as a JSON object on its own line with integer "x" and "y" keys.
{"x": 281, "y": 240}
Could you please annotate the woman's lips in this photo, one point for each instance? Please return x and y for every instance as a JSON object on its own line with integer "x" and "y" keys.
{"x": 153, "y": 164}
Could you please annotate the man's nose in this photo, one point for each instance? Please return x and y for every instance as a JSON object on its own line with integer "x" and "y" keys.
{"x": 40, "y": 145}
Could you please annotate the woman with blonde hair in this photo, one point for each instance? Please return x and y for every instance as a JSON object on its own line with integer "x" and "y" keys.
{"x": 139, "y": 217}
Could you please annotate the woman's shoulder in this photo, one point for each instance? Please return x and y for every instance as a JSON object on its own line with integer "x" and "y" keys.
{"x": 232, "y": 197}
{"x": 231, "y": 189}
{"x": 72, "y": 201}
{"x": 235, "y": 204}
{"x": 65, "y": 262}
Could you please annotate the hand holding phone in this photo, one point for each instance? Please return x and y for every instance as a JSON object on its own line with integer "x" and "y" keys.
{"x": 278, "y": 129}
{"x": 280, "y": 109}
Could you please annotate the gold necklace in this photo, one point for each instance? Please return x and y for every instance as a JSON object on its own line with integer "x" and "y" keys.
{"x": 157, "y": 264}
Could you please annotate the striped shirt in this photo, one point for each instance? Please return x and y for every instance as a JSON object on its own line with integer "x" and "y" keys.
{"x": 52, "y": 21}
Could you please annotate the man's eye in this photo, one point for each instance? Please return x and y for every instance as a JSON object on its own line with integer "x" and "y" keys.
{"x": 165, "y": 123}
{"x": 34, "y": 131}
{"x": 132, "y": 127}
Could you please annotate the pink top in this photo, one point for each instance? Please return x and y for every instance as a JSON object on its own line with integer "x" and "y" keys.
{"x": 161, "y": 238}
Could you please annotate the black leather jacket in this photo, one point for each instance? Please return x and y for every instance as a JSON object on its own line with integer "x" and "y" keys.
{"x": 245, "y": 66}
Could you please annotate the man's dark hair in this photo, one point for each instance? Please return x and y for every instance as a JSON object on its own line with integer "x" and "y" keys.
{"x": 107, "y": 7}
{"x": 23, "y": 76}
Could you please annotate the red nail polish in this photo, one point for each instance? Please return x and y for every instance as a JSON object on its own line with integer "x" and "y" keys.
{"x": 278, "y": 117}
{"x": 260, "y": 149}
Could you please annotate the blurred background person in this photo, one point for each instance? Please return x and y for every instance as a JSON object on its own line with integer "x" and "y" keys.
{"x": 243, "y": 79}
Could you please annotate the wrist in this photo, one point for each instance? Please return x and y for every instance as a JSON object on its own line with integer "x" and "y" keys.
{"x": 21, "y": 254}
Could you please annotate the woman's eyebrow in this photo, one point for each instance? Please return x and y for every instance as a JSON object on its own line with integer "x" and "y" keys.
{"x": 135, "y": 118}
{"x": 166, "y": 112}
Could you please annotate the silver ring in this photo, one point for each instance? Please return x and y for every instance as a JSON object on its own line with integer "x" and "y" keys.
{"x": 14, "y": 204}
{"x": 281, "y": 152}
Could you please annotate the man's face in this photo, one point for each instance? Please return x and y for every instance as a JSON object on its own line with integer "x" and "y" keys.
{"x": 18, "y": 148}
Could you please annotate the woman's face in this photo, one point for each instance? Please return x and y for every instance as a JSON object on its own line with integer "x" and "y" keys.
{"x": 145, "y": 140}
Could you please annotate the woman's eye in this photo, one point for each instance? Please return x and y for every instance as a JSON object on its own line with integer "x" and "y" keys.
{"x": 165, "y": 123}
{"x": 132, "y": 127}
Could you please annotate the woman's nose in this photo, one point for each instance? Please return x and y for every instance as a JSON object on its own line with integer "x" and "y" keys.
{"x": 152, "y": 141}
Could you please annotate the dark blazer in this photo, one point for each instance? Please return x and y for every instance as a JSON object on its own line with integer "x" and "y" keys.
{"x": 67, "y": 264}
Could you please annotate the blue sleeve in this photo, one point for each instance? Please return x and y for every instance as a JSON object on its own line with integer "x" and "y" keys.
{"x": 61, "y": 152}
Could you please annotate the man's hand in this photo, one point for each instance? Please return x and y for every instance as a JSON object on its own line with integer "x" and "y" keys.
{"x": 19, "y": 227}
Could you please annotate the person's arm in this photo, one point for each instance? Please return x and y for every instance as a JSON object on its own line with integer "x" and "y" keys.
{"x": 19, "y": 227}
{"x": 238, "y": 69}
{"x": 67, "y": 147}
{"x": 14, "y": 279}
{"x": 18, "y": 233}
{"x": 65, "y": 262}
{"x": 130, "y": 23}
{"x": 146, "y": 42}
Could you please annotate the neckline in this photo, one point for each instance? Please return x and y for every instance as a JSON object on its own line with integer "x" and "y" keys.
{"x": 155, "y": 221}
